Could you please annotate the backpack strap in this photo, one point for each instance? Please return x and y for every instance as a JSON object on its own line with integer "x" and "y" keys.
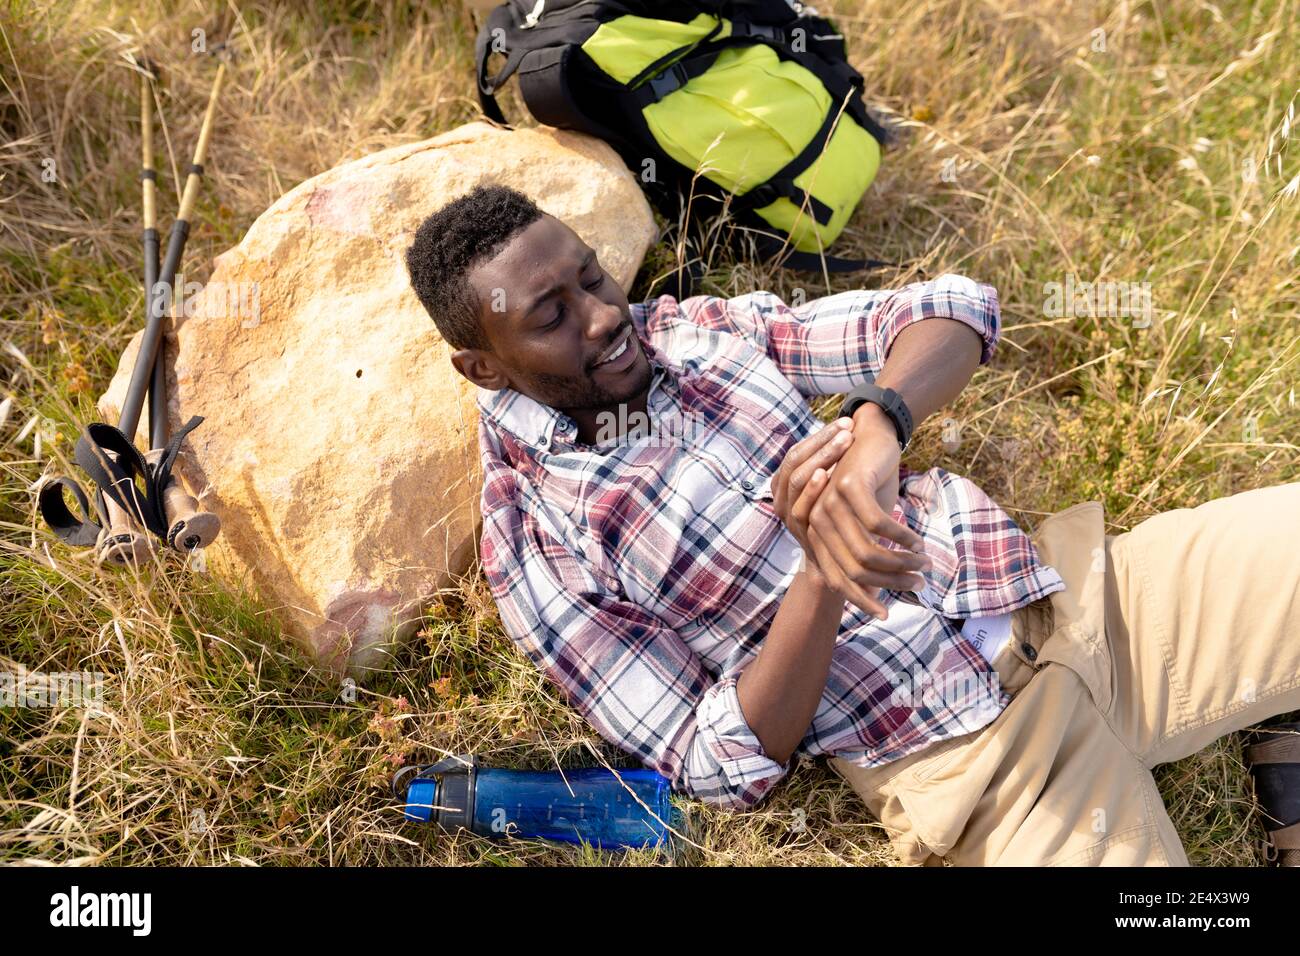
{"x": 836, "y": 75}
{"x": 782, "y": 183}
{"x": 774, "y": 189}
{"x": 770, "y": 247}
{"x": 676, "y": 54}
{"x": 498, "y": 19}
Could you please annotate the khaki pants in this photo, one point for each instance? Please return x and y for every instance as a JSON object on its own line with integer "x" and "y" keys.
{"x": 1166, "y": 637}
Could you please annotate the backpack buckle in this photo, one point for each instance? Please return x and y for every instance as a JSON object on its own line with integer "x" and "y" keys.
{"x": 768, "y": 31}
{"x": 669, "y": 80}
{"x": 761, "y": 195}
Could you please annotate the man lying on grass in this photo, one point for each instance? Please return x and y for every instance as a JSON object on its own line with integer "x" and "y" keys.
{"x": 717, "y": 581}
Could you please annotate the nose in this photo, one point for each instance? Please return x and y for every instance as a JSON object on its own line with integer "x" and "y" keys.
{"x": 605, "y": 321}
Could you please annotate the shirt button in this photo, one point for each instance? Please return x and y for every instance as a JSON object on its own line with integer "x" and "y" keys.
{"x": 543, "y": 441}
{"x": 747, "y": 485}
{"x": 1029, "y": 651}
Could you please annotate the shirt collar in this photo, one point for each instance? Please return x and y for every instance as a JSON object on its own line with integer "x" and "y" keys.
{"x": 542, "y": 428}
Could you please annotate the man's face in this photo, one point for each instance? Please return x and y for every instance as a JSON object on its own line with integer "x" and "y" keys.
{"x": 551, "y": 314}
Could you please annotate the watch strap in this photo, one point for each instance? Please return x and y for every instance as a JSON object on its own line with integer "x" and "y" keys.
{"x": 889, "y": 400}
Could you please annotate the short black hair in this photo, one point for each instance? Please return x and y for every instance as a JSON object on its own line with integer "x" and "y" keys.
{"x": 450, "y": 242}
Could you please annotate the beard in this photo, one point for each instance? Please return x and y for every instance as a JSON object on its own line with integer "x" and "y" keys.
{"x": 587, "y": 393}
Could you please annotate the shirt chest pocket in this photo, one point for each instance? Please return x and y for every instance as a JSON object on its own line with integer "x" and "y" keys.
{"x": 722, "y": 472}
{"x": 744, "y": 452}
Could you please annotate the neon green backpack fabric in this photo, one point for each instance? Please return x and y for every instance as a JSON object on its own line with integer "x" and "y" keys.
{"x": 753, "y": 105}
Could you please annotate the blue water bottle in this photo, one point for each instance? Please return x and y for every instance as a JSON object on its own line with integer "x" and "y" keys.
{"x": 630, "y": 809}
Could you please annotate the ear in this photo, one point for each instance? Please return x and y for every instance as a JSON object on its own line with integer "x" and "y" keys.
{"x": 481, "y": 368}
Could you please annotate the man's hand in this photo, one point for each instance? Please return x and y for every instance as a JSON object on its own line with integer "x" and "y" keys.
{"x": 799, "y": 482}
{"x": 853, "y": 508}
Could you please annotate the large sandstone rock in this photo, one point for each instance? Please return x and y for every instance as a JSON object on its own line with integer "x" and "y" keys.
{"x": 339, "y": 446}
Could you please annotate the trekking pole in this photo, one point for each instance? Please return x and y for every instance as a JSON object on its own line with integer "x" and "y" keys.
{"x": 142, "y": 374}
{"x": 109, "y": 454}
{"x": 120, "y": 541}
{"x": 187, "y": 527}
{"x": 149, "y": 178}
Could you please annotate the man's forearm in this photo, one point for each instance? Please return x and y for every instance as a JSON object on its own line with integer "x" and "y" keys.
{"x": 780, "y": 688}
{"x": 929, "y": 363}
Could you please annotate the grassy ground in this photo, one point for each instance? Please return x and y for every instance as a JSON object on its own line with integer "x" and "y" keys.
{"x": 1127, "y": 142}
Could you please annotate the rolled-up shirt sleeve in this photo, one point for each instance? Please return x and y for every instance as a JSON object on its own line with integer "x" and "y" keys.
{"x": 631, "y": 676}
{"x": 832, "y": 344}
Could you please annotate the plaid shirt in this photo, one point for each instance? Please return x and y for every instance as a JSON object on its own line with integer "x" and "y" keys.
{"x": 641, "y": 574}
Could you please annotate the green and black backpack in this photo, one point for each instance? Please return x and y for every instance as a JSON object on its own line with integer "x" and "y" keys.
{"x": 758, "y": 97}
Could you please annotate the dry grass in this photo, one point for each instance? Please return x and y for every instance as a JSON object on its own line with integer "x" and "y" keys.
{"x": 1027, "y": 155}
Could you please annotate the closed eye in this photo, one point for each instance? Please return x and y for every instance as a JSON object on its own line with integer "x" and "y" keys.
{"x": 559, "y": 308}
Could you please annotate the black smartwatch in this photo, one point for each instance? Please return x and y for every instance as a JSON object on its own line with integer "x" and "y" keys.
{"x": 886, "y": 398}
